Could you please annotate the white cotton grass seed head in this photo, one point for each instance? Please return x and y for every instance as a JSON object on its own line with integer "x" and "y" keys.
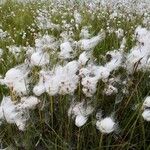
{"x": 13, "y": 74}
{"x": 29, "y": 102}
{"x": 21, "y": 125}
{"x": 83, "y": 58}
{"x": 17, "y": 79}
{"x": 90, "y": 44}
{"x": 146, "y": 102}
{"x": 40, "y": 59}
{"x": 1, "y": 115}
{"x": 142, "y": 34}
{"x": 116, "y": 60}
{"x": 13, "y": 113}
{"x": 65, "y": 50}
{"x": 14, "y": 49}
{"x": 85, "y": 33}
{"x": 77, "y": 17}
{"x": 21, "y": 87}
{"x": 102, "y": 72}
{"x": 44, "y": 42}
{"x": 119, "y": 33}
{"x": 71, "y": 67}
{"x": 80, "y": 112}
{"x": 1, "y": 52}
{"x": 80, "y": 120}
{"x": 146, "y": 114}
{"x": 39, "y": 89}
{"x": 52, "y": 87}
{"x": 89, "y": 86}
{"x": 106, "y": 125}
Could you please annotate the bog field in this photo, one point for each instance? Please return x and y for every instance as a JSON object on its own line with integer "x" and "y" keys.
{"x": 74, "y": 75}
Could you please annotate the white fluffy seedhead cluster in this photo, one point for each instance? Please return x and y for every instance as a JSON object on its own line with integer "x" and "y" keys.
{"x": 17, "y": 113}
{"x": 138, "y": 58}
{"x": 119, "y": 33}
{"x": 61, "y": 80}
{"x": 90, "y": 44}
{"x": 116, "y": 60}
{"x": 44, "y": 46}
{"x": 40, "y": 59}
{"x": 46, "y": 42}
{"x": 80, "y": 111}
{"x": 77, "y": 17}
{"x": 65, "y": 76}
{"x": 84, "y": 58}
{"x": 15, "y": 50}
{"x": 43, "y": 20}
{"x": 92, "y": 74}
{"x": 1, "y": 52}
{"x": 146, "y": 107}
{"x": 17, "y": 79}
{"x": 90, "y": 77}
{"x": 66, "y": 50}
{"x": 3, "y": 34}
{"x": 84, "y": 34}
{"x": 106, "y": 125}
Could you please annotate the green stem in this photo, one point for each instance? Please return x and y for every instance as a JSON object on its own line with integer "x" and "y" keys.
{"x": 100, "y": 142}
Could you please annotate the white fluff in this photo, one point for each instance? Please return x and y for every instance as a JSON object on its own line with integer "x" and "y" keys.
{"x": 12, "y": 114}
{"x": 71, "y": 67}
{"x": 43, "y": 20}
{"x": 138, "y": 58}
{"x": 65, "y": 50}
{"x": 116, "y": 60}
{"x": 80, "y": 111}
{"x": 52, "y": 86}
{"x": 17, "y": 79}
{"x": 46, "y": 42}
{"x": 80, "y": 120}
{"x": 80, "y": 108}
{"x": 146, "y": 115}
{"x": 17, "y": 113}
{"x": 1, "y": 52}
{"x": 119, "y": 33}
{"x": 83, "y": 72}
{"x": 84, "y": 57}
{"x": 29, "y": 51}
{"x": 85, "y": 33}
{"x": 14, "y": 49}
{"x": 29, "y": 102}
{"x": 102, "y": 72}
{"x": 106, "y": 125}
{"x": 142, "y": 35}
{"x": 62, "y": 80}
{"x": 77, "y": 17}
{"x": 40, "y": 59}
{"x": 90, "y": 44}
{"x": 89, "y": 86}
{"x": 146, "y": 102}
{"x": 90, "y": 77}
{"x": 3, "y": 34}
{"x": 39, "y": 89}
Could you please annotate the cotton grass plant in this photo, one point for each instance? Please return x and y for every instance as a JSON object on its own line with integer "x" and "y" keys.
{"x": 74, "y": 75}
